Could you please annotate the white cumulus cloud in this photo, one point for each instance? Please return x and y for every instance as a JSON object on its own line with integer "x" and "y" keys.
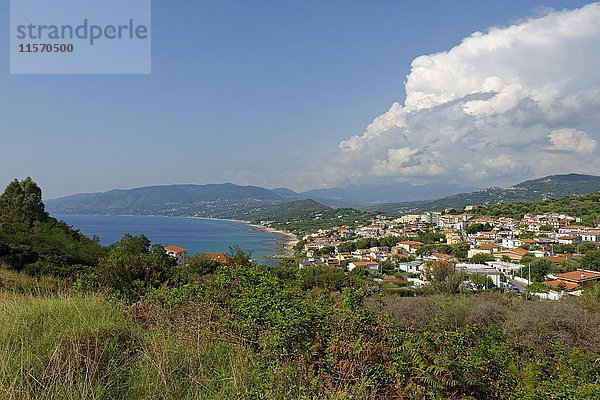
{"x": 503, "y": 104}
{"x": 572, "y": 140}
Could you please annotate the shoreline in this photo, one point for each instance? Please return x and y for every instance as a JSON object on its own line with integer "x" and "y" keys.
{"x": 285, "y": 245}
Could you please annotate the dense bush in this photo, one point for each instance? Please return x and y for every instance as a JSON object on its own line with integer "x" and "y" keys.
{"x": 33, "y": 241}
{"x": 132, "y": 268}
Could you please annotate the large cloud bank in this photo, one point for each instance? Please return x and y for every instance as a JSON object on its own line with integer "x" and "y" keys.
{"x": 502, "y": 105}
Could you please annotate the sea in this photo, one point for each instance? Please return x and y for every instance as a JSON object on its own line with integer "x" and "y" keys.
{"x": 196, "y": 235}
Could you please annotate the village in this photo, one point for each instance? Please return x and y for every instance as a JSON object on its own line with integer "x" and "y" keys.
{"x": 499, "y": 250}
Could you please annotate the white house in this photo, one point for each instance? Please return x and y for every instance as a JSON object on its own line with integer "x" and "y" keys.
{"x": 373, "y": 266}
{"x": 511, "y": 243}
{"x": 481, "y": 269}
{"x": 179, "y": 254}
{"x": 413, "y": 267}
{"x": 591, "y": 236}
{"x": 507, "y": 268}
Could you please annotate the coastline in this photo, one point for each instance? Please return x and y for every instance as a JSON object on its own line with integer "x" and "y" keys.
{"x": 286, "y": 245}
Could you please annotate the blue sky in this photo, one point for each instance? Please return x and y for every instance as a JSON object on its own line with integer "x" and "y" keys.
{"x": 249, "y": 92}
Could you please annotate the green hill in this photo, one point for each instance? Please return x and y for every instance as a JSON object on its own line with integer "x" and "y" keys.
{"x": 586, "y": 207}
{"x": 307, "y": 215}
{"x": 561, "y": 185}
{"x": 549, "y": 187}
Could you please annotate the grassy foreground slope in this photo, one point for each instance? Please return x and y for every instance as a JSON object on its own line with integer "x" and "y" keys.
{"x": 85, "y": 347}
{"x": 259, "y": 333}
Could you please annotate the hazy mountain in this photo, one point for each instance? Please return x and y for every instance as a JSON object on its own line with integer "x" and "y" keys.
{"x": 229, "y": 200}
{"x": 201, "y": 200}
{"x": 554, "y": 186}
{"x": 373, "y": 194}
{"x": 234, "y": 201}
{"x": 285, "y": 193}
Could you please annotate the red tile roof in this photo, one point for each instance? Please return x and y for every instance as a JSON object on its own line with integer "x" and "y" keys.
{"x": 558, "y": 258}
{"x": 411, "y": 243}
{"x": 175, "y": 249}
{"x": 579, "y": 276}
{"x": 488, "y": 246}
{"x": 568, "y": 286}
{"x": 220, "y": 257}
{"x": 528, "y": 241}
{"x": 519, "y": 250}
{"x": 364, "y": 263}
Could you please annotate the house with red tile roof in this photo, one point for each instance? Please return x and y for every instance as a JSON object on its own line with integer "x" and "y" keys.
{"x": 574, "y": 280}
{"x": 178, "y": 253}
{"x": 557, "y": 259}
{"x": 220, "y": 257}
{"x": 515, "y": 254}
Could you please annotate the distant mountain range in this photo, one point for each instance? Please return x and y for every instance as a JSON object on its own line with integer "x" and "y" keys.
{"x": 549, "y": 187}
{"x": 251, "y": 202}
{"x": 360, "y": 196}
{"x": 234, "y": 201}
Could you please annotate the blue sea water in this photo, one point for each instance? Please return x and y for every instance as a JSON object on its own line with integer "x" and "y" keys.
{"x": 194, "y": 234}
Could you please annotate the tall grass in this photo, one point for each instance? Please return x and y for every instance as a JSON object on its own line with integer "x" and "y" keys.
{"x": 76, "y": 347}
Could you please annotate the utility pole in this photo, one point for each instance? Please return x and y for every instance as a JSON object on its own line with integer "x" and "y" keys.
{"x": 528, "y": 278}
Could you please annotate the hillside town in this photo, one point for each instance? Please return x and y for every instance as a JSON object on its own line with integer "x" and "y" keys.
{"x": 501, "y": 250}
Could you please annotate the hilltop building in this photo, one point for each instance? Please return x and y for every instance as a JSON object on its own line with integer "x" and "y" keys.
{"x": 179, "y": 254}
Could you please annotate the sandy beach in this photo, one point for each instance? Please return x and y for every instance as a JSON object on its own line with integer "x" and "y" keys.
{"x": 286, "y": 249}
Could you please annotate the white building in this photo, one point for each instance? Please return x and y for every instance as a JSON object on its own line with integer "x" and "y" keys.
{"x": 179, "y": 254}
{"x": 413, "y": 267}
{"x": 373, "y": 266}
{"x": 481, "y": 269}
{"x": 507, "y": 268}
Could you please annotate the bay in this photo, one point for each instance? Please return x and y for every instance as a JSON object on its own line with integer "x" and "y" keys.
{"x": 193, "y": 234}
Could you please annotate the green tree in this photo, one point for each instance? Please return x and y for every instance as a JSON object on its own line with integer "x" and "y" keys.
{"x": 443, "y": 276}
{"x": 434, "y": 248}
{"x": 584, "y": 247}
{"x": 481, "y": 258}
{"x": 132, "y": 268}
{"x": 459, "y": 250}
{"x": 201, "y": 264}
{"x": 475, "y": 228}
{"x": 32, "y": 241}
{"x": 540, "y": 267}
{"x": 567, "y": 266}
{"x": 591, "y": 260}
{"x": 21, "y": 202}
{"x": 322, "y": 276}
{"x": 237, "y": 256}
{"x": 481, "y": 281}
